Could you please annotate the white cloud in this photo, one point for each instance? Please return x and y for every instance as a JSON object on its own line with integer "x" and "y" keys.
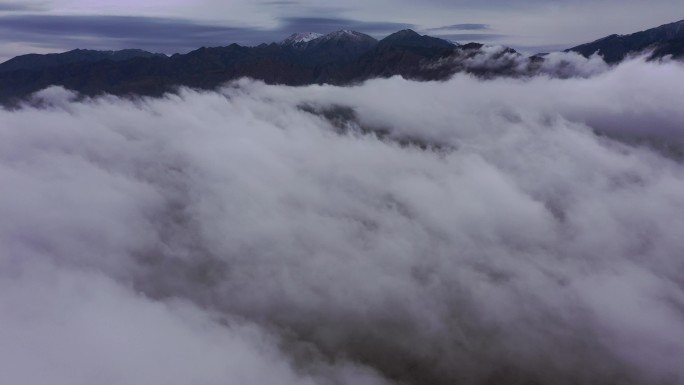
{"x": 237, "y": 237}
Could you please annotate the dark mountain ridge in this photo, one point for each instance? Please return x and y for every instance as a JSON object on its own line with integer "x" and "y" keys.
{"x": 340, "y": 57}
{"x": 38, "y": 62}
{"x": 667, "y": 39}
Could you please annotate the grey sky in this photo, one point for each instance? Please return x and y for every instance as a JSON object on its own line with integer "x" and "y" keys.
{"x": 171, "y": 26}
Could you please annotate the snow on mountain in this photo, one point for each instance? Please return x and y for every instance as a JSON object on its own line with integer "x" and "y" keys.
{"x": 307, "y": 39}
{"x": 346, "y": 34}
{"x": 302, "y": 37}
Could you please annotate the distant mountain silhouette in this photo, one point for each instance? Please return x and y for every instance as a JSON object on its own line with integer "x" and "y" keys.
{"x": 410, "y": 39}
{"x": 38, "y": 62}
{"x": 339, "y": 58}
{"x": 665, "y": 40}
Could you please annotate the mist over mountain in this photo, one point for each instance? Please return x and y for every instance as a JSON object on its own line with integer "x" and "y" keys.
{"x": 340, "y": 58}
{"x": 434, "y": 214}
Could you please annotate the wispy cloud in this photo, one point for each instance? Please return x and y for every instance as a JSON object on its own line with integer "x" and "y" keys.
{"x": 13, "y": 6}
{"x": 468, "y": 37}
{"x": 461, "y": 27}
{"x": 159, "y": 34}
{"x": 280, "y": 3}
{"x": 320, "y": 24}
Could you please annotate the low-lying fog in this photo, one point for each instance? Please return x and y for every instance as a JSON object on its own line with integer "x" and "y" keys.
{"x": 462, "y": 232}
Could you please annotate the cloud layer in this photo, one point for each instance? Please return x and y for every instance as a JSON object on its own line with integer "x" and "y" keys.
{"x": 469, "y": 231}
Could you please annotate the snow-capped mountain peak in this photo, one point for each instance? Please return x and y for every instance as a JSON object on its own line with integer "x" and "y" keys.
{"x": 346, "y": 34}
{"x": 301, "y": 37}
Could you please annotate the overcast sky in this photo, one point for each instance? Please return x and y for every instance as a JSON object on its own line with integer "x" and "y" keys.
{"x": 169, "y": 26}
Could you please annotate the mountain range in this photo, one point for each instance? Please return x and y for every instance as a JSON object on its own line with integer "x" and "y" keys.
{"x": 342, "y": 57}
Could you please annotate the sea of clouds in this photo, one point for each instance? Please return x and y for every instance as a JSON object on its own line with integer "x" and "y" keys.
{"x": 507, "y": 231}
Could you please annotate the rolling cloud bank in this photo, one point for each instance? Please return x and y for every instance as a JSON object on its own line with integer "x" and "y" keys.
{"x": 507, "y": 231}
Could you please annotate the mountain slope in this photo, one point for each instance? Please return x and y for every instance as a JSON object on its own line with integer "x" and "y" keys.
{"x": 409, "y": 38}
{"x": 663, "y": 40}
{"x": 37, "y": 62}
{"x": 405, "y": 53}
{"x": 301, "y": 38}
{"x": 339, "y": 46}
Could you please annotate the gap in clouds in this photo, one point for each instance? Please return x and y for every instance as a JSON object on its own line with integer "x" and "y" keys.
{"x": 466, "y": 231}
